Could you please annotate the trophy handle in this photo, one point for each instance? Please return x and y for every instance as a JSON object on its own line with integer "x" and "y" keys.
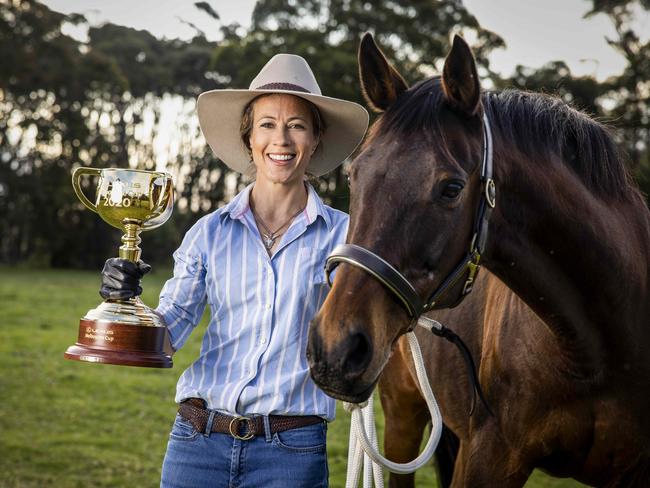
{"x": 166, "y": 200}
{"x": 76, "y": 175}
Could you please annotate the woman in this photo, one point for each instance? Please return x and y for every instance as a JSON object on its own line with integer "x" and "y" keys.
{"x": 249, "y": 412}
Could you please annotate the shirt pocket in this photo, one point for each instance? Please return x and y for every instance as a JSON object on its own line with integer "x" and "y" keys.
{"x": 313, "y": 283}
{"x": 312, "y": 261}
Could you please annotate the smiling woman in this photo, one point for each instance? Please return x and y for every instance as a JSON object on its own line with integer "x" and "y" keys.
{"x": 249, "y": 413}
{"x": 282, "y": 137}
{"x": 273, "y": 114}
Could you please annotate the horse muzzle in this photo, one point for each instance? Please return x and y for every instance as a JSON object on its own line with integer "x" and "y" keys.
{"x": 342, "y": 369}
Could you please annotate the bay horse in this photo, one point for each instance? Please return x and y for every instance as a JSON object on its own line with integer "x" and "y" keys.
{"x": 560, "y": 326}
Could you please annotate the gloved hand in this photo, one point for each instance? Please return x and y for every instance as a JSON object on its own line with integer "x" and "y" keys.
{"x": 121, "y": 278}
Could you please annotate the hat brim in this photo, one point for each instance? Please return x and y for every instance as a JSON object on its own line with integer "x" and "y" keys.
{"x": 220, "y": 113}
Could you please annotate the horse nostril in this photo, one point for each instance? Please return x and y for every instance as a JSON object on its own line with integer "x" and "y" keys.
{"x": 358, "y": 355}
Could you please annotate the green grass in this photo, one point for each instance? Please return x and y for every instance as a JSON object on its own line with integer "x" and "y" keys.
{"x": 73, "y": 424}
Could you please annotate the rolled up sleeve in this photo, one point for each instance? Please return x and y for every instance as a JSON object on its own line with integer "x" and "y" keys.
{"x": 183, "y": 297}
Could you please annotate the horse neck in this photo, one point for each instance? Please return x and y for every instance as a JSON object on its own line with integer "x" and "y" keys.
{"x": 580, "y": 261}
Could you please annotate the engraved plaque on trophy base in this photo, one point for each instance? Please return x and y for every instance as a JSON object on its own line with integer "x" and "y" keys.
{"x": 119, "y": 343}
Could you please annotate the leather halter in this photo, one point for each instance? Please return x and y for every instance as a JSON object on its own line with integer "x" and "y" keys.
{"x": 467, "y": 268}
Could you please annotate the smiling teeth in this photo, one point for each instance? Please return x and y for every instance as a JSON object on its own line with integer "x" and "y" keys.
{"x": 281, "y": 157}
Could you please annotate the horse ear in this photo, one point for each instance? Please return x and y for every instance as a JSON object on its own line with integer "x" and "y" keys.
{"x": 460, "y": 78}
{"x": 380, "y": 82}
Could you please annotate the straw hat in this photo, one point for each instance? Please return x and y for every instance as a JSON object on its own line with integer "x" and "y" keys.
{"x": 220, "y": 114}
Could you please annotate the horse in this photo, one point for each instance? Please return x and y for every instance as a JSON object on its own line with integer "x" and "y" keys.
{"x": 559, "y": 326}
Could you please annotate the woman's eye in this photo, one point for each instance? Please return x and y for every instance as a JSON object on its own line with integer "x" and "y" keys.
{"x": 267, "y": 125}
{"x": 297, "y": 126}
{"x": 452, "y": 190}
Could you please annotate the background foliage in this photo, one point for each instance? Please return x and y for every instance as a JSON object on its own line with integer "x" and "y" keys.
{"x": 103, "y": 102}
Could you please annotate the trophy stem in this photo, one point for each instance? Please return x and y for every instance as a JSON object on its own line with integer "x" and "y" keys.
{"x": 129, "y": 249}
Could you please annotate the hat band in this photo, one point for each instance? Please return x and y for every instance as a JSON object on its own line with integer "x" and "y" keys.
{"x": 282, "y": 86}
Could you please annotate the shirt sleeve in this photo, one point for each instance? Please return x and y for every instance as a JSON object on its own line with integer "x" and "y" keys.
{"x": 183, "y": 297}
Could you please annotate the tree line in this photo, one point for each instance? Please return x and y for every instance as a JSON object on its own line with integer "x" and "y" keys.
{"x": 103, "y": 102}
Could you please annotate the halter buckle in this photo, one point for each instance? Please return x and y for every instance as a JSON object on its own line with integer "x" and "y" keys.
{"x": 472, "y": 268}
{"x": 490, "y": 192}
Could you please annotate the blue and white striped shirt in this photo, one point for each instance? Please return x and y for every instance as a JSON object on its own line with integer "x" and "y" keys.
{"x": 252, "y": 358}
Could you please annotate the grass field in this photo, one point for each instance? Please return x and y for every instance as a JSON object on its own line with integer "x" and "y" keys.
{"x": 72, "y": 424}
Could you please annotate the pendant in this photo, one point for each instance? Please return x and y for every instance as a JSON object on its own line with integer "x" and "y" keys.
{"x": 269, "y": 240}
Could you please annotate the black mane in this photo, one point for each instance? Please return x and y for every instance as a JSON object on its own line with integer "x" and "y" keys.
{"x": 540, "y": 126}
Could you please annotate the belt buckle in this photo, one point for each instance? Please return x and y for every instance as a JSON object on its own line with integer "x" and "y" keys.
{"x": 236, "y": 421}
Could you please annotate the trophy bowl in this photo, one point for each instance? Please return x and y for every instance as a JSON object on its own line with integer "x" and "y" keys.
{"x": 125, "y": 332}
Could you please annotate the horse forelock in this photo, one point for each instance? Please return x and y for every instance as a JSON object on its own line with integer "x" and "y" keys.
{"x": 416, "y": 114}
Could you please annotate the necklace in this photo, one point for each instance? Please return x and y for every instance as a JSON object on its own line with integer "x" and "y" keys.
{"x": 269, "y": 237}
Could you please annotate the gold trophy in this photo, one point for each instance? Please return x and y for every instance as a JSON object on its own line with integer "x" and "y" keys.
{"x": 125, "y": 332}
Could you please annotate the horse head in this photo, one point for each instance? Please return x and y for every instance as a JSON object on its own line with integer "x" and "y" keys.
{"x": 415, "y": 188}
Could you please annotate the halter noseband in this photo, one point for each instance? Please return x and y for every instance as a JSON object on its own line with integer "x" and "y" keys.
{"x": 468, "y": 266}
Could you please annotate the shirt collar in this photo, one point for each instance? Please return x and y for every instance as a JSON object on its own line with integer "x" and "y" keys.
{"x": 315, "y": 207}
{"x": 239, "y": 205}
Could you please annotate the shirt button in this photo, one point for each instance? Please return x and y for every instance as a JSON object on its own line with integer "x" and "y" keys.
{"x": 268, "y": 306}
{"x": 263, "y": 340}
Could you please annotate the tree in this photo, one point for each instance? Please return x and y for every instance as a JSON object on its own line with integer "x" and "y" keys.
{"x": 64, "y": 103}
{"x": 42, "y": 129}
{"x": 630, "y": 91}
{"x": 622, "y": 100}
{"x": 102, "y": 103}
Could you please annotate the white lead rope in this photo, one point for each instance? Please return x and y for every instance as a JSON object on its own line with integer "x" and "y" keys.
{"x": 363, "y": 448}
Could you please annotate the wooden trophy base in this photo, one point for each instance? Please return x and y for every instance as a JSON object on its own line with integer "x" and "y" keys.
{"x": 123, "y": 344}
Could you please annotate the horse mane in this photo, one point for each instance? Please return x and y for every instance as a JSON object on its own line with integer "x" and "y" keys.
{"x": 541, "y": 124}
{"x": 542, "y": 127}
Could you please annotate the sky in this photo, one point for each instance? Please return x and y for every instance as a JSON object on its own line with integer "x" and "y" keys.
{"x": 535, "y": 32}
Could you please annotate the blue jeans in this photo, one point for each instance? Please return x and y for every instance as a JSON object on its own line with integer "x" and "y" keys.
{"x": 294, "y": 458}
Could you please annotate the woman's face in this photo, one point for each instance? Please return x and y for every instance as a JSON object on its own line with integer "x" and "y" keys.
{"x": 282, "y": 138}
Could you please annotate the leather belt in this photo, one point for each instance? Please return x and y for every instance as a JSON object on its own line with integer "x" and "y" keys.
{"x": 193, "y": 410}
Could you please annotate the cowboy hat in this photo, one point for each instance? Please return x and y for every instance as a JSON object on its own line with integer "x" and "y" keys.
{"x": 220, "y": 114}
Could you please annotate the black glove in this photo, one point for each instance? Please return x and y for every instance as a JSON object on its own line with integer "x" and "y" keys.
{"x": 121, "y": 278}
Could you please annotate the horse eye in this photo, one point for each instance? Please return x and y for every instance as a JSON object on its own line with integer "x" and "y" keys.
{"x": 452, "y": 190}
{"x": 348, "y": 178}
